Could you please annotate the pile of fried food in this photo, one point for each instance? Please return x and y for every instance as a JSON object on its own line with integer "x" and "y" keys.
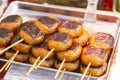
{"x": 68, "y": 37}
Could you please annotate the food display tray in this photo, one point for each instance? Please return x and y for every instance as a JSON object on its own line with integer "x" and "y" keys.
{"x": 106, "y": 22}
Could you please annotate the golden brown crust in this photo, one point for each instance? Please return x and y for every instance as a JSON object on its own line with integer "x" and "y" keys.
{"x": 83, "y": 38}
{"x": 102, "y": 40}
{"x": 28, "y": 38}
{"x": 60, "y": 41}
{"x": 22, "y": 47}
{"x": 42, "y": 52}
{"x": 94, "y": 71}
{"x": 46, "y": 63}
{"x": 51, "y": 26}
{"x": 12, "y": 22}
{"x": 69, "y": 66}
{"x": 97, "y": 56}
{"x": 20, "y": 56}
{"x": 71, "y": 54}
{"x": 74, "y": 31}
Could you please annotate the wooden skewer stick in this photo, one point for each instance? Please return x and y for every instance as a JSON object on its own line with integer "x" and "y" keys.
{"x": 85, "y": 71}
{"x": 11, "y": 60}
{"x": 60, "y": 78}
{"x": 59, "y": 69}
{"x": 4, "y": 66}
{"x": 88, "y": 78}
{"x": 11, "y": 46}
{"x": 33, "y": 66}
{"x": 7, "y": 64}
{"x": 44, "y": 58}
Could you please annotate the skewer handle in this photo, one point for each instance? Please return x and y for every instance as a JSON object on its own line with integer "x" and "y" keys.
{"x": 11, "y": 46}
{"x": 11, "y": 60}
{"x": 33, "y": 66}
{"x": 4, "y": 66}
{"x": 88, "y": 78}
{"x": 60, "y": 78}
{"x": 59, "y": 69}
{"x": 44, "y": 58}
{"x": 85, "y": 71}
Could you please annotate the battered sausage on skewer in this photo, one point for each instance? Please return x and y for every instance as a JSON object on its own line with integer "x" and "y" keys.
{"x": 46, "y": 63}
{"x": 49, "y": 24}
{"x": 94, "y": 71}
{"x": 60, "y": 41}
{"x": 103, "y": 40}
{"x": 31, "y": 33}
{"x": 22, "y": 47}
{"x": 83, "y": 38}
{"x": 42, "y": 50}
{"x": 96, "y": 55}
{"x": 74, "y": 28}
{"x": 12, "y": 22}
{"x": 20, "y": 57}
{"x": 71, "y": 54}
{"x": 69, "y": 66}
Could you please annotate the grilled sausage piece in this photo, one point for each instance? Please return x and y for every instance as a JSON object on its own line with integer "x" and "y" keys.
{"x": 20, "y": 56}
{"x": 22, "y": 47}
{"x": 94, "y": 71}
{"x": 42, "y": 50}
{"x": 103, "y": 40}
{"x": 74, "y": 28}
{"x": 60, "y": 41}
{"x": 12, "y": 22}
{"x": 49, "y": 24}
{"x": 69, "y": 66}
{"x": 31, "y": 33}
{"x": 97, "y": 56}
{"x": 46, "y": 63}
{"x": 71, "y": 54}
{"x": 83, "y": 38}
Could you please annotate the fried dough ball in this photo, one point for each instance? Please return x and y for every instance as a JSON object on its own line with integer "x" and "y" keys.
{"x": 96, "y": 55}
{"x": 12, "y": 22}
{"x": 83, "y": 38}
{"x": 94, "y": 71}
{"x": 60, "y": 41}
{"x": 22, "y": 47}
{"x": 5, "y": 37}
{"x": 46, "y": 63}
{"x": 71, "y": 54}
{"x": 103, "y": 40}
{"x": 31, "y": 33}
{"x": 42, "y": 50}
{"x": 49, "y": 24}
{"x": 20, "y": 56}
{"x": 69, "y": 66}
{"x": 74, "y": 28}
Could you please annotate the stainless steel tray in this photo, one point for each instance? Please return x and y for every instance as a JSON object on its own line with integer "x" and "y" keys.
{"x": 106, "y": 22}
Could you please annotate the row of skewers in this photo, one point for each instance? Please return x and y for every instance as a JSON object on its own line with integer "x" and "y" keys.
{"x": 48, "y": 40}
